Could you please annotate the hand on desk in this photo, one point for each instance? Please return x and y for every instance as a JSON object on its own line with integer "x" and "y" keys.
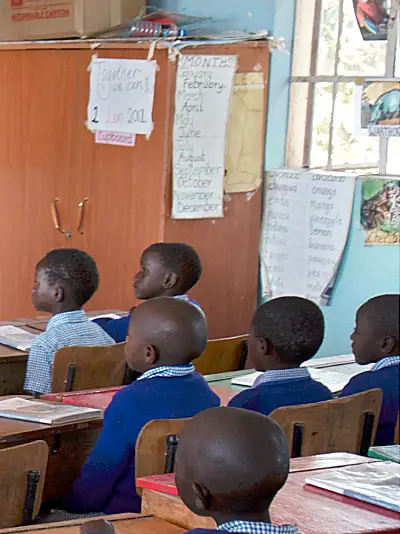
{"x": 98, "y": 526}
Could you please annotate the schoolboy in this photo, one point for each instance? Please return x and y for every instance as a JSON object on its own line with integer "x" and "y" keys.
{"x": 285, "y": 333}
{"x": 376, "y": 339}
{"x": 230, "y": 465}
{"x": 65, "y": 279}
{"x": 166, "y": 270}
{"x": 165, "y": 336}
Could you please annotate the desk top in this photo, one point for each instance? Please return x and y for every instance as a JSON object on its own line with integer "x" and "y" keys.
{"x": 13, "y": 431}
{"x": 123, "y": 523}
{"x": 166, "y": 483}
{"x": 40, "y": 323}
{"x": 314, "y": 511}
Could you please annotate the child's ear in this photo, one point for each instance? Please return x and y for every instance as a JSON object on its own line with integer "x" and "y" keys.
{"x": 151, "y": 355}
{"x": 388, "y": 344}
{"x": 58, "y": 293}
{"x": 264, "y": 345}
{"x": 202, "y": 497}
{"x": 170, "y": 280}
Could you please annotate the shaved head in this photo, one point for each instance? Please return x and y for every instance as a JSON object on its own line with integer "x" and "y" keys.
{"x": 231, "y": 461}
{"x": 165, "y": 331}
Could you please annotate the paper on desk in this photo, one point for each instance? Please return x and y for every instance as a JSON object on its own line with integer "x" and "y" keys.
{"x": 16, "y": 337}
{"x": 105, "y": 316}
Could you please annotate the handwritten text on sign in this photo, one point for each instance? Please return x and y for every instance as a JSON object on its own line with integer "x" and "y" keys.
{"x": 305, "y": 225}
{"x": 121, "y": 95}
{"x": 203, "y": 90}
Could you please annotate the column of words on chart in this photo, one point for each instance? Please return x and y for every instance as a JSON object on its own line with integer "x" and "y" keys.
{"x": 305, "y": 227}
{"x": 203, "y": 91}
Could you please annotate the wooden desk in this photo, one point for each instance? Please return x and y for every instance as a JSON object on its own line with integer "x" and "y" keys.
{"x": 123, "y": 523}
{"x": 69, "y": 444}
{"x": 40, "y": 323}
{"x": 12, "y": 370}
{"x": 314, "y": 511}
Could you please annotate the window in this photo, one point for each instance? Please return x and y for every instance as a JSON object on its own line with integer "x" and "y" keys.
{"x": 329, "y": 55}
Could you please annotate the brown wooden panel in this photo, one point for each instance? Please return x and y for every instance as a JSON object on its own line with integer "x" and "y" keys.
{"x": 125, "y": 187}
{"x": 228, "y": 247}
{"x": 36, "y": 109}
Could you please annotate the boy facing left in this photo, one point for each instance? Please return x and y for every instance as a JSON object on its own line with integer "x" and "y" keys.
{"x": 65, "y": 279}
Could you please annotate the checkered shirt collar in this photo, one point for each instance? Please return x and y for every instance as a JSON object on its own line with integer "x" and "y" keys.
{"x": 253, "y": 527}
{"x": 386, "y": 362}
{"x": 165, "y": 371}
{"x": 282, "y": 375}
{"x": 75, "y": 316}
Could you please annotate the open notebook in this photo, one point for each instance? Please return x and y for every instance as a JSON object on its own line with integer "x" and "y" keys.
{"x": 333, "y": 376}
{"x": 376, "y": 483}
{"x": 48, "y": 414}
{"x": 16, "y": 337}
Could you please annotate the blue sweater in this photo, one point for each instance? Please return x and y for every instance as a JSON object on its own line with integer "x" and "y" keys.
{"x": 118, "y": 328}
{"x": 268, "y": 396}
{"x": 107, "y": 479}
{"x": 386, "y": 379}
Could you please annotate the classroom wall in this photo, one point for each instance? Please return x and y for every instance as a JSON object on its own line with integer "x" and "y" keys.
{"x": 365, "y": 271}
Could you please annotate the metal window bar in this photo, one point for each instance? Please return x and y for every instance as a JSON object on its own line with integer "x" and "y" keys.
{"x": 335, "y": 84}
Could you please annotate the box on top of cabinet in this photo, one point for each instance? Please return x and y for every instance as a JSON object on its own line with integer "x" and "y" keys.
{"x": 22, "y": 20}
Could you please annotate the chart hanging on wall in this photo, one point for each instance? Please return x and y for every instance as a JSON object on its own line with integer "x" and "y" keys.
{"x": 372, "y": 18}
{"x": 380, "y": 210}
{"x": 306, "y": 222}
{"x": 377, "y": 107}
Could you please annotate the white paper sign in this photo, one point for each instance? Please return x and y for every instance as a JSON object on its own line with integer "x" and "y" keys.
{"x": 203, "y": 90}
{"x": 306, "y": 221}
{"x": 121, "y": 95}
{"x": 115, "y": 138}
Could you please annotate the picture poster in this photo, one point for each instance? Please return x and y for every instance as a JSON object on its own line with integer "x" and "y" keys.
{"x": 372, "y": 18}
{"x": 306, "y": 222}
{"x": 378, "y": 108}
{"x": 380, "y": 210}
{"x": 203, "y": 92}
{"x": 121, "y": 95}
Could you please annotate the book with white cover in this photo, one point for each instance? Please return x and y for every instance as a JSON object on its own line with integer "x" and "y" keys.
{"x": 376, "y": 483}
{"x": 48, "y": 414}
{"x": 17, "y": 338}
{"x": 105, "y": 316}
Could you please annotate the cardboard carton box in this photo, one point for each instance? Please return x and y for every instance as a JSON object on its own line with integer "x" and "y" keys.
{"x": 22, "y": 20}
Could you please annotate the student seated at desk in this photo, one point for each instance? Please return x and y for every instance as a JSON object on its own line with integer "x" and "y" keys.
{"x": 285, "y": 332}
{"x": 376, "y": 339}
{"x": 65, "y": 280}
{"x": 230, "y": 464}
{"x": 165, "y": 336}
{"x": 166, "y": 270}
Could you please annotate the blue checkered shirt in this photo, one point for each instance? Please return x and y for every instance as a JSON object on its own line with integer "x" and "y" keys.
{"x": 282, "y": 375}
{"x": 386, "y": 362}
{"x": 63, "y": 330}
{"x": 255, "y": 527}
{"x": 165, "y": 371}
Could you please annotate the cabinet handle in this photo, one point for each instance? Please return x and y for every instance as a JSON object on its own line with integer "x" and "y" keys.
{"x": 81, "y": 216}
{"x": 56, "y": 215}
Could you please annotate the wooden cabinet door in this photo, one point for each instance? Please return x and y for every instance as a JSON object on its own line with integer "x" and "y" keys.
{"x": 125, "y": 188}
{"x": 37, "y": 115}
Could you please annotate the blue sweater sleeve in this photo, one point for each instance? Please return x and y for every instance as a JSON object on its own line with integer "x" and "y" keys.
{"x": 106, "y": 463}
{"x": 355, "y": 385}
{"x": 116, "y": 328}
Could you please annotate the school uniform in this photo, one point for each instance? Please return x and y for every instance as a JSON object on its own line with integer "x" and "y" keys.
{"x": 118, "y": 328}
{"x": 283, "y": 387}
{"x": 385, "y": 375}
{"x": 107, "y": 479}
{"x": 66, "y": 329}
{"x": 249, "y": 527}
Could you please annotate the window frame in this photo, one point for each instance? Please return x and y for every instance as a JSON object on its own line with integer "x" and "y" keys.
{"x": 302, "y": 88}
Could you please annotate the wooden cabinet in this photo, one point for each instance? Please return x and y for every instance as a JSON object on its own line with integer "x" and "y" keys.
{"x": 47, "y": 153}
